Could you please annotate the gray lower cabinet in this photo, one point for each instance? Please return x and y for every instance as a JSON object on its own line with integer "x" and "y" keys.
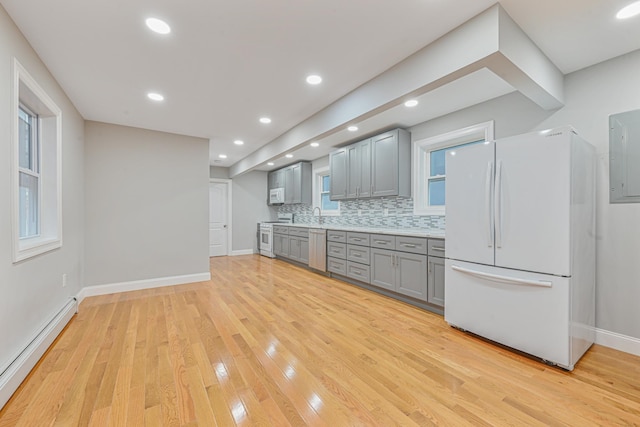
{"x": 382, "y": 268}
{"x": 281, "y": 245}
{"x": 435, "y": 292}
{"x": 299, "y": 249}
{"x": 405, "y": 273}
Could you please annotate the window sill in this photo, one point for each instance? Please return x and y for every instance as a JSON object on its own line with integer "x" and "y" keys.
{"x": 429, "y": 211}
{"x": 32, "y": 247}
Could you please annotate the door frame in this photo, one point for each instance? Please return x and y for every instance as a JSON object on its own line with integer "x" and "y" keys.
{"x": 229, "y": 184}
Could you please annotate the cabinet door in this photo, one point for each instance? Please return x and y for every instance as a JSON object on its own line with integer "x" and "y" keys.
{"x": 338, "y": 172}
{"x": 288, "y": 185}
{"x": 296, "y": 196}
{"x": 304, "y": 251}
{"x": 435, "y": 288}
{"x": 411, "y": 275}
{"x": 382, "y": 268}
{"x": 353, "y": 171}
{"x": 277, "y": 244}
{"x": 384, "y": 165}
{"x": 281, "y": 245}
{"x": 364, "y": 150}
{"x": 294, "y": 248}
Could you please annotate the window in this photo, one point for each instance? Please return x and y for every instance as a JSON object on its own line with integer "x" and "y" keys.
{"x": 430, "y": 169}
{"x": 36, "y": 188}
{"x": 29, "y": 173}
{"x": 321, "y": 191}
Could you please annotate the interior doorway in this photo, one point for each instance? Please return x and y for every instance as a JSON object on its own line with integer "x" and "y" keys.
{"x": 219, "y": 217}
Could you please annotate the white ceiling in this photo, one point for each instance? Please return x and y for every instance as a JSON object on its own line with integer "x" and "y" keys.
{"x": 227, "y": 63}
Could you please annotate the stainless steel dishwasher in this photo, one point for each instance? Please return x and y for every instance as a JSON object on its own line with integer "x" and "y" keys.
{"x": 318, "y": 249}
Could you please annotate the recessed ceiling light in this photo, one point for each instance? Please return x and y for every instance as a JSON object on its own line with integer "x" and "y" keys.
{"x": 314, "y": 79}
{"x": 158, "y": 26}
{"x": 628, "y": 11}
{"x": 352, "y": 128}
{"x": 238, "y": 142}
{"x": 222, "y": 156}
{"x": 270, "y": 164}
{"x": 411, "y": 103}
{"x": 265, "y": 120}
{"x": 288, "y": 156}
{"x": 155, "y": 96}
{"x": 314, "y": 144}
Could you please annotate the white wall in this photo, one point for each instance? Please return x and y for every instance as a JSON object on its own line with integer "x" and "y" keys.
{"x": 591, "y": 96}
{"x": 147, "y": 204}
{"x": 249, "y": 208}
{"x": 31, "y": 291}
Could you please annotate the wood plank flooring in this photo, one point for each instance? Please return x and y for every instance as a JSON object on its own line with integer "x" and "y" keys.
{"x": 265, "y": 343}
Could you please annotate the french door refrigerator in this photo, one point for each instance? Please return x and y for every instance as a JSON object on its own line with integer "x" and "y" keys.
{"x": 520, "y": 227}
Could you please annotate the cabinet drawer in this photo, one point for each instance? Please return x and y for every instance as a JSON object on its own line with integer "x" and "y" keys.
{"x": 358, "y": 271}
{"x": 280, "y": 229}
{"x": 299, "y": 232}
{"x": 338, "y": 266}
{"x": 361, "y": 239}
{"x": 337, "y": 250}
{"x": 416, "y": 245}
{"x": 436, "y": 247}
{"x": 358, "y": 254}
{"x": 337, "y": 236}
{"x": 383, "y": 241}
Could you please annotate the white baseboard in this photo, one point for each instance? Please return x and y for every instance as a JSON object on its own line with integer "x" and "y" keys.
{"x": 136, "y": 285}
{"x": 242, "y": 252}
{"x": 18, "y": 370}
{"x": 618, "y": 341}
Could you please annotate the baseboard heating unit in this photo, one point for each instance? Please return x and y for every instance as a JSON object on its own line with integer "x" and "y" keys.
{"x": 12, "y": 376}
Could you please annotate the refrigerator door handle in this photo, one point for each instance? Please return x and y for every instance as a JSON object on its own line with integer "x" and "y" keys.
{"x": 489, "y": 203}
{"x": 498, "y": 204}
{"x": 503, "y": 279}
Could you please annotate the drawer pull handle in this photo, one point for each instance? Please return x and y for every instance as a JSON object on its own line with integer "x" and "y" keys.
{"x": 381, "y": 242}
{"x": 437, "y": 248}
{"x": 356, "y": 239}
{"x": 408, "y": 245}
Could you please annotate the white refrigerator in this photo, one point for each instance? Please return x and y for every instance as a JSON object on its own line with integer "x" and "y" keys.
{"x": 520, "y": 227}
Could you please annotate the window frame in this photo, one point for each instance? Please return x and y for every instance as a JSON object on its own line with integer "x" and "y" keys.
{"x": 318, "y": 174}
{"x": 421, "y": 162}
{"x": 29, "y": 95}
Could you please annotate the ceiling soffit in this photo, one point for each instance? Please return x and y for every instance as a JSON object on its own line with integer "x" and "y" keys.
{"x": 490, "y": 40}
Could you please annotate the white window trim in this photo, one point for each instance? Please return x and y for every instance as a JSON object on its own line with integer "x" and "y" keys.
{"x": 421, "y": 150}
{"x": 317, "y": 174}
{"x": 50, "y": 236}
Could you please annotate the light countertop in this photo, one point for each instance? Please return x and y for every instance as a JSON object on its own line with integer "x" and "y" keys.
{"x": 430, "y": 233}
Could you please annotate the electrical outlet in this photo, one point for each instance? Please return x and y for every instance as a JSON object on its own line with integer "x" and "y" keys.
{"x": 385, "y": 212}
{"x": 359, "y": 212}
{"x": 64, "y": 279}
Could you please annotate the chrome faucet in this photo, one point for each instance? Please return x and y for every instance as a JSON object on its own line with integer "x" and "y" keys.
{"x": 319, "y": 214}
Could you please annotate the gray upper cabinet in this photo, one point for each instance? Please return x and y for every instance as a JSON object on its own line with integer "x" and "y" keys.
{"x": 338, "y": 172}
{"x": 391, "y": 164}
{"x": 359, "y": 170}
{"x": 296, "y": 181}
{"x": 375, "y": 167}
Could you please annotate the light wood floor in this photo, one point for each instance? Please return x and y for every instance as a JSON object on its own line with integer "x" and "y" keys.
{"x": 266, "y": 343}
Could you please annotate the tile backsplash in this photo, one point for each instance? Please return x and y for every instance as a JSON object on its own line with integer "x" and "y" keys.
{"x": 370, "y": 213}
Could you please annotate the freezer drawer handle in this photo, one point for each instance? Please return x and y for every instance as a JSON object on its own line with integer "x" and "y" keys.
{"x": 500, "y": 278}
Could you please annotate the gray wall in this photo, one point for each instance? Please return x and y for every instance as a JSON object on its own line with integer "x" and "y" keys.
{"x": 218, "y": 172}
{"x": 591, "y": 96}
{"x": 31, "y": 291}
{"x": 147, "y": 204}
{"x": 249, "y": 208}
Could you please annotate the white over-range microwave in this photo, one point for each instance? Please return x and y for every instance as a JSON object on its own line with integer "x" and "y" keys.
{"x": 276, "y": 196}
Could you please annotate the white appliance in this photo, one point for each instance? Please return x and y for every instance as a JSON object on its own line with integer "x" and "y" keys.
{"x": 520, "y": 226}
{"x": 276, "y": 196}
{"x": 265, "y": 233}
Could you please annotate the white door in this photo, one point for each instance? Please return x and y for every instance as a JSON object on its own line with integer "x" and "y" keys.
{"x": 533, "y": 203}
{"x": 218, "y": 219}
{"x": 469, "y": 203}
